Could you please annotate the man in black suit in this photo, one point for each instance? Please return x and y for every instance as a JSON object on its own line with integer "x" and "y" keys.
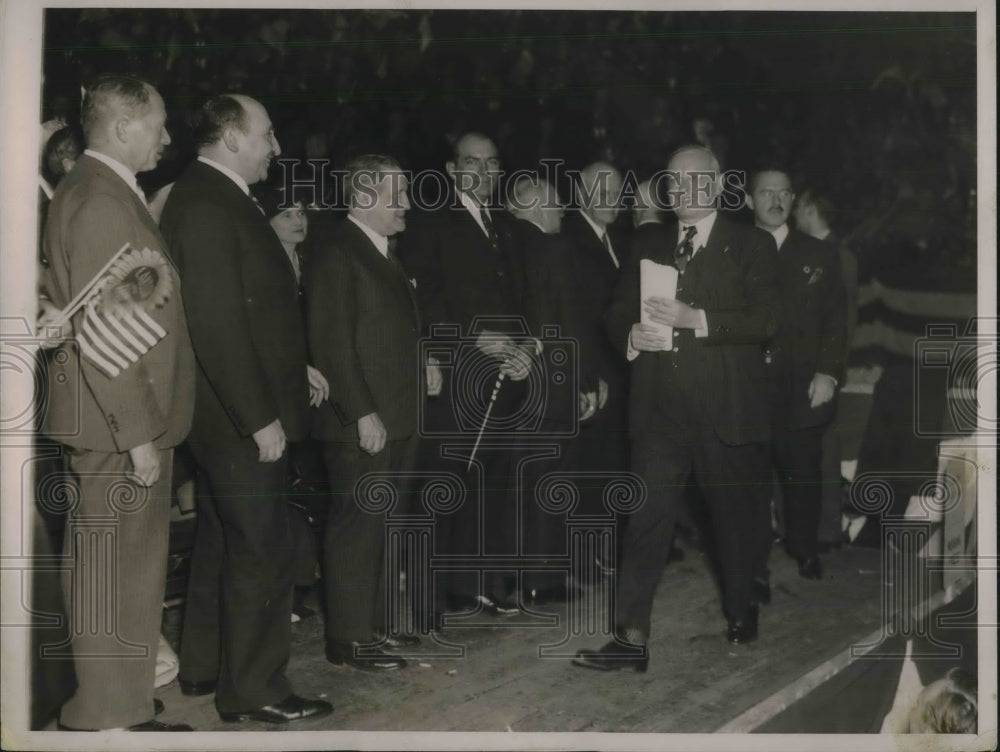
{"x": 364, "y": 331}
{"x": 600, "y": 252}
{"x": 554, "y": 295}
{"x": 461, "y": 261}
{"x": 252, "y": 395}
{"x": 806, "y": 359}
{"x": 696, "y": 403}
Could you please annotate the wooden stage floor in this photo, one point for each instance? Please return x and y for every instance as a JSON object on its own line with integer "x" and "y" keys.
{"x": 696, "y": 681}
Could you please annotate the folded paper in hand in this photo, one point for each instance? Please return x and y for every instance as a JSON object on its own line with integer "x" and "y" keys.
{"x": 657, "y": 281}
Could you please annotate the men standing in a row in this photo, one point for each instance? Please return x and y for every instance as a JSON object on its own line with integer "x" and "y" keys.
{"x": 364, "y": 330}
{"x": 806, "y": 359}
{"x": 463, "y": 268}
{"x": 120, "y": 419}
{"x": 252, "y": 395}
{"x": 697, "y": 404}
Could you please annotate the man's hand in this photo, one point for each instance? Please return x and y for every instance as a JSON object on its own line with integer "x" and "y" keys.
{"x": 602, "y": 393}
{"x": 821, "y": 389}
{"x": 319, "y": 389}
{"x": 517, "y": 365}
{"x": 588, "y": 405}
{"x": 270, "y": 441}
{"x": 646, "y": 338}
{"x": 371, "y": 433}
{"x": 434, "y": 378}
{"x": 145, "y": 463}
{"x": 672, "y": 313}
{"x": 50, "y": 330}
{"x": 495, "y": 344}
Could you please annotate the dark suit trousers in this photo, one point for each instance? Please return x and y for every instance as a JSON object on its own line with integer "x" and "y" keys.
{"x": 354, "y": 544}
{"x": 797, "y": 456}
{"x": 118, "y": 539}
{"x": 237, "y": 619}
{"x": 729, "y": 478}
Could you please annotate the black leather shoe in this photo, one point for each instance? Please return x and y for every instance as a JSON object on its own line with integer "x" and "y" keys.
{"x": 497, "y": 607}
{"x": 810, "y": 568}
{"x": 197, "y": 688}
{"x": 744, "y": 630}
{"x": 760, "y": 591}
{"x": 397, "y": 642}
{"x": 365, "y": 658}
{"x": 292, "y": 708}
{"x": 613, "y": 656}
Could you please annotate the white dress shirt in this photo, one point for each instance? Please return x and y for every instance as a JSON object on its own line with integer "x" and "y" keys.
{"x": 381, "y": 242}
{"x": 228, "y": 173}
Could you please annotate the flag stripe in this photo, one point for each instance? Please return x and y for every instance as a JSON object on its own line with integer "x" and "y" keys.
{"x": 98, "y": 342}
{"x": 149, "y": 321}
{"x": 109, "y": 338}
{"x": 119, "y": 324}
{"x": 92, "y": 355}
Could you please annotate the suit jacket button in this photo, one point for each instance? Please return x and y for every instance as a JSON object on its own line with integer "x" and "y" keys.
{"x": 677, "y": 349}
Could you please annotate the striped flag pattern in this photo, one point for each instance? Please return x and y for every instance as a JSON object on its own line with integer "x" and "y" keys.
{"x": 113, "y": 342}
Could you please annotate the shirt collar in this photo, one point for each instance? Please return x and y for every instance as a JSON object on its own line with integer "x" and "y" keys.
{"x": 240, "y": 182}
{"x": 598, "y": 230}
{"x": 704, "y": 226}
{"x": 780, "y": 234}
{"x": 381, "y": 242}
{"x": 474, "y": 209}
{"x": 120, "y": 170}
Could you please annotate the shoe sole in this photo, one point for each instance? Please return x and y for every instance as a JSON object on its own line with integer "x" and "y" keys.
{"x": 600, "y": 666}
{"x": 242, "y": 717}
{"x": 368, "y": 669}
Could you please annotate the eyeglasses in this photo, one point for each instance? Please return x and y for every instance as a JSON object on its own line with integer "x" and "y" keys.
{"x": 767, "y": 193}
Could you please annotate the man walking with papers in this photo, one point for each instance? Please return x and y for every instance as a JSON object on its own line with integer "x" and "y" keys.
{"x": 121, "y": 397}
{"x": 697, "y": 407}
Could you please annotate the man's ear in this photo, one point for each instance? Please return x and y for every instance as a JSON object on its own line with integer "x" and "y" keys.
{"x": 121, "y": 129}
{"x": 230, "y": 140}
{"x": 749, "y": 201}
{"x": 449, "y": 167}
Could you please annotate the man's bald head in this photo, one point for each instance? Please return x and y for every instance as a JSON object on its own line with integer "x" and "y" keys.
{"x": 696, "y": 182}
{"x": 236, "y": 131}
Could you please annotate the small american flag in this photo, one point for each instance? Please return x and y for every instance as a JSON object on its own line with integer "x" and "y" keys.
{"x": 116, "y": 328}
{"x": 112, "y": 341}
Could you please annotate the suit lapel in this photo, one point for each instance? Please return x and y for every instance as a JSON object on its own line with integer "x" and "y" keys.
{"x": 387, "y": 267}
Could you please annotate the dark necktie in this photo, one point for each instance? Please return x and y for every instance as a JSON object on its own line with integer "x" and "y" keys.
{"x": 490, "y": 229}
{"x": 685, "y": 249}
